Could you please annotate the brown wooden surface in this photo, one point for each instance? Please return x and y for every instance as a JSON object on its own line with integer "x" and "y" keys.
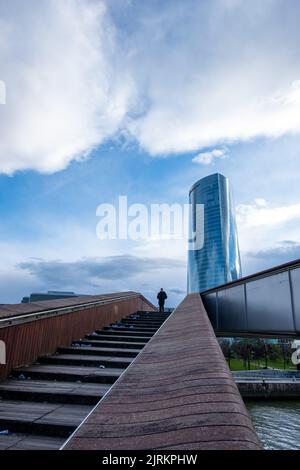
{"x": 177, "y": 394}
{"x": 51, "y": 387}
{"x": 50, "y": 398}
{"x": 107, "y": 351}
{"x": 14, "y": 310}
{"x": 26, "y": 442}
{"x": 81, "y": 357}
{"x": 37, "y": 413}
{"x": 84, "y": 372}
{"x": 25, "y": 342}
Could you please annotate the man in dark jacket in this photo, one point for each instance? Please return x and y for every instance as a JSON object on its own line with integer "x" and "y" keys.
{"x": 162, "y": 296}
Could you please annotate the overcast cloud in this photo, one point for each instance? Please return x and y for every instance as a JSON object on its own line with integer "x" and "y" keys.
{"x": 174, "y": 76}
{"x": 93, "y": 271}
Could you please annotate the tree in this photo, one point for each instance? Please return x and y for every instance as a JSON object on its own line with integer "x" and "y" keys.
{"x": 241, "y": 350}
{"x": 225, "y": 345}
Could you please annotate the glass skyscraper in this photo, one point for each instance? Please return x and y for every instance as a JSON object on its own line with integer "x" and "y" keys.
{"x": 218, "y": 260}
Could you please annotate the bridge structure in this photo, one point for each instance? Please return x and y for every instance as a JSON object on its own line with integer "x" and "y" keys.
{"x": 265, "y": 304}
{"x": 110, "y": 372}
{"x": 178, "y": 394}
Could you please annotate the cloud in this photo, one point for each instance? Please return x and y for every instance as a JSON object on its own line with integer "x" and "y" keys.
{"x": 206, "y": 158}
{"x": 178, "y": 291}
{"x": 261, "y": 202}
{"x": 68, "y": 256}
{"x": 64, "y": 92}
{"x": 268, "y": 235}
{"x": 287, "y": 250}
{"x": 256, "y": 215}
{"x": 223, "y": 74}
{"x": 173, "y": 76}
{"x": 92, "y": 271}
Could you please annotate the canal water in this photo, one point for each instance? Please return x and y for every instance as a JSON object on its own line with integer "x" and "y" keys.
{"x": 277, "y": 423}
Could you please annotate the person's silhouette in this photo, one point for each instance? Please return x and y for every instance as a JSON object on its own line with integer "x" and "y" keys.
{"x": 161, "y": 296}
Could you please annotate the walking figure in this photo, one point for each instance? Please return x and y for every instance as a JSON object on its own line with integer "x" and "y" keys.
{"x": 162, "y": 296}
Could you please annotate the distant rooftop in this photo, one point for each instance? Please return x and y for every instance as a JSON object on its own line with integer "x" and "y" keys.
{"x": 50, "y": 295}
{"x": 57, "y": 292}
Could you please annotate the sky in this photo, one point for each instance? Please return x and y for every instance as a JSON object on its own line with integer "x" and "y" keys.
{"x": 122, "y": 97}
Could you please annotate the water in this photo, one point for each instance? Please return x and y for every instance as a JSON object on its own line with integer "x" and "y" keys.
{"x": 277, "y": 423}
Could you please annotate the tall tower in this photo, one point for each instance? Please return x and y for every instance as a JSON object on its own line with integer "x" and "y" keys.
{"x": 218, "y": 260}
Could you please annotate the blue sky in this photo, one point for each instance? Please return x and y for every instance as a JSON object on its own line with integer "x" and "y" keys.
{"x": 118, "y": 98}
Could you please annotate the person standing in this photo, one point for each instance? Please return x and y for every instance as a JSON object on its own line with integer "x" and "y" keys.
{"x": 161, "y": 296}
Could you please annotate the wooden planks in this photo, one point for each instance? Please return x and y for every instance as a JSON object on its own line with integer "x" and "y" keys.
{"x": 53, "y": 396}
{"x": 63, "y": 372}
{"x": 118, "y": 337}
{"x": 25, "y": 442}
{"x": 24, "y": 416}
{"x": 36, "y": 337}
{"x": 119, "y": 344}
{"x": 84, "y": 360}
{"x": 178, "y": 394}
{"x": 12, "y": 310}
{"x": 53, "y": 391}
{"x": 102, "y": 351}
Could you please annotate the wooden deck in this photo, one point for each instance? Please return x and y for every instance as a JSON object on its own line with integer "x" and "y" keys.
{"x": 35, "y": 418}
{"x": 53, "y": 392}
{"x": 26, "y": 442}
{"x": 43, "y": 403}
{"x": 177, "y": 394}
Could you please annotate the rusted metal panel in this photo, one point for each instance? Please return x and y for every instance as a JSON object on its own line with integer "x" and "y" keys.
{"x": 26, "y": 341}
{"x": 177, "y": 394}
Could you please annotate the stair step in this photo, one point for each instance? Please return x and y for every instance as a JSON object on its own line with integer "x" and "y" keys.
{"x": 139, "y": 321}
{"x": 123, "y": 332}
{"x": 84, "y": 360}
{"x": 30, "y": 442}
{"x": 114, "y": 344}
{"x": 141, "y": 324}
{"x": 67, "y": 373}
{"x": 117, "y": 337}
{"x": 155, "y": 316}
{"x": 146, "y": 318}
{"x": 166, "y": 312}
{"x": 41, "y": 418}
{"x": 118, "y": 352}
{"x": 150, "y": 331}
{"x": 53, "y": 392}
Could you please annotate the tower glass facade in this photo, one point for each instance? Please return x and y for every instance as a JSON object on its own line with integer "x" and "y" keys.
{"x": 218, "y": 260}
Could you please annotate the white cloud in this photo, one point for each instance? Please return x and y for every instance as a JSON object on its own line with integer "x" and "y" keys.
{"x": 65, "y": 94}
{"x": 260, "y": 202}
{"x": 268, "y": 235}
{"x": 257, "y": 215}
{"x": 206, "y": 158}
{"x": 176, "y": 76}
{"x": 221, "y": 75}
